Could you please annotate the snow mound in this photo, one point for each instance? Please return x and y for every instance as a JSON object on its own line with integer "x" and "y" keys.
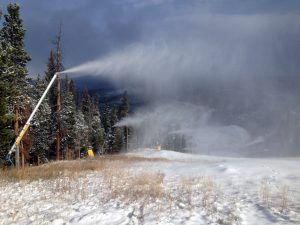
{"x": 165, "y": 154}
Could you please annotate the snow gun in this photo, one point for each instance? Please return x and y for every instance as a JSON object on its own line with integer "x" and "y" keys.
{"x": 15, "y": 147}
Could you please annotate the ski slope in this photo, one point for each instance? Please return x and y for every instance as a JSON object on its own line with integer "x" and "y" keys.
{"x": 196, "y": 190}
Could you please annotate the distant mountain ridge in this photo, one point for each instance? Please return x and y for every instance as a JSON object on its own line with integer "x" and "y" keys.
{"x": 107, "y": 91}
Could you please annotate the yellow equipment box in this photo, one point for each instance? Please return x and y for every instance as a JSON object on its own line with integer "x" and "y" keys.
{"x": 90, "y": 153}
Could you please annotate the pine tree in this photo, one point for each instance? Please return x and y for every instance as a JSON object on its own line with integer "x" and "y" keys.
{"x": 68, "y": 120}
{"x": 90, "y": 110}
{"x": 97, "y": 134}
{"x": 74, "y": 92}
{"x": 122, "y": 113}
{"x": 108, "y": 132}
{"x": 81, "y": 130}
{"x": 118, "y": 139}
{"x": 97, "y": 131}
{"x": 55, "y": 65}
{"x": 124, "y": 107}
{"x": 6, "y": 118}
{"x": 12, "y": 36}
{"x": 6, "y": 133}
{"x": 86, "y": 106}
{"x": 41, "y": 124}
{"x": 106, "y": 118}
{"x": 51, "y": 98}
{"x": 113, "y": 142}
{"x": 51, "y": 70}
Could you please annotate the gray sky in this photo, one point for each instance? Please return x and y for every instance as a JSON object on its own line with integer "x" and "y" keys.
{"x": 93, "y": 28}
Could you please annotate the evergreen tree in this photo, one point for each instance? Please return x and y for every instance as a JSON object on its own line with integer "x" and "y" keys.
{"x": 13, "y": 34}
{"x": 68, "y": 120}
{"x": 74, "y": 92}
{"x": 12, "y": 37}
{"x": 51, "y": 70}
{"x": 51, "y": 98}
{"x": 86, "y": 106}
{"x": 106, "y": 118}
{"x": 118, "y": 139}
{"x": 97, "y": 134}
{"x": 55, "y": 65}
{"x": 81, "y": 131}
{"x": 40, "y": 125}
{"x": 114, "y": 136}
{"x": 122, "y": 113}
{"x": 106, "y": 123}
{"x": 91, "y": 114}
{"x": 124, "y": 107}
{"x": 113, "y": 117}
{"x": 6, "y": 131}
{"x": 113, "y": 142}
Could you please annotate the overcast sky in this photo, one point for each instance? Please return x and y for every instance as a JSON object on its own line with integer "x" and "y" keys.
{"x": 93, "y": 28}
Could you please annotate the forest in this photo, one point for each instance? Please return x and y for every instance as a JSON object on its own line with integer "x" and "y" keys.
{"x": 69, "y": 120}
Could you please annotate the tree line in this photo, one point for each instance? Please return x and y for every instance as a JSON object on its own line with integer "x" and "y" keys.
{"x": 68, "y": 121}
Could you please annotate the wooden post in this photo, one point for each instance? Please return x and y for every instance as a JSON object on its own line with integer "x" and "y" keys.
{"x": 23, "y": 159}
{"x": 22, "y": 156}
{"x": 66, "y": 154}
{"x": 16, "y": 128}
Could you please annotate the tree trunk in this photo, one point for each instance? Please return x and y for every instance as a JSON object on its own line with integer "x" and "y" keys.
{"x": 58, "y": 118}
{"x": 22, "y": 156}
{"x": 23, "y": 159}
{"x": 66, "y": 153}
{"x": 16, "y": 128}
{"x": 57, "y": 147}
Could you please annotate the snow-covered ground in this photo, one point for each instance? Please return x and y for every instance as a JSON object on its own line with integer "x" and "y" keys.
{"x": 166, "y": 188}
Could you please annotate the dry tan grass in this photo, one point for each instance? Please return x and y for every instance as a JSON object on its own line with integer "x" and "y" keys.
{"x": 145, "y": 185}
{"x": 130, "y": 187}
{"x": 51, "y": 170}
{"x": 208, "y": 189}
{"x": 186, "y": 189}
{"x": 284, "y": 198}
{"x": 264, "y": 192}
{"x": 279, "y": 200}
{"x": 56, "y": 169}
{"x": 70, "y": 177}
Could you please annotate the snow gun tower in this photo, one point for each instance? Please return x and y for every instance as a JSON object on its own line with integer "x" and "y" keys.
{"x": 16, "y": 145}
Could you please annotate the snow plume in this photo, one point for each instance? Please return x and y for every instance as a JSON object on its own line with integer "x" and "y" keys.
{"x": 184, "y": 127}
{"x": 243, "y": 66}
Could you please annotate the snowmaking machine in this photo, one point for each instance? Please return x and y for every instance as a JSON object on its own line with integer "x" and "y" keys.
{"x": 16, "y": 145}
